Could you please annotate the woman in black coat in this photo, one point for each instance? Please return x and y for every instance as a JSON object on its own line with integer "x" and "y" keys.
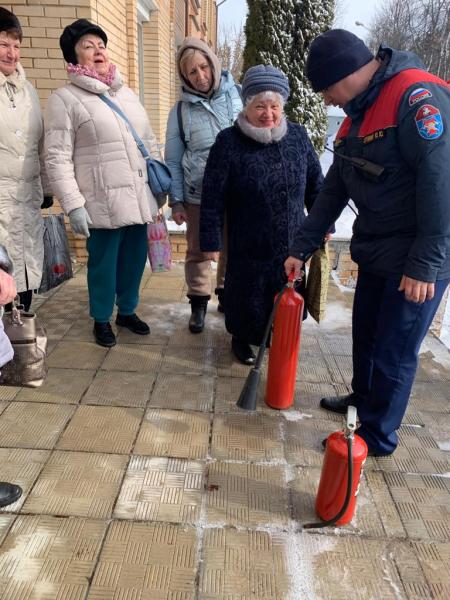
{"x": 261, "y": 173}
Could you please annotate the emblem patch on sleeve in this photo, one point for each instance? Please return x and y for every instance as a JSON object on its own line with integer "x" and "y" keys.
{"x": 429, "y": 122}
{"x": 419, "y": 94}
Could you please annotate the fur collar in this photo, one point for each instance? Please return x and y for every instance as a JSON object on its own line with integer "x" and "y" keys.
{"x": 263, "y": 135}
{"x": 16, "y": 79}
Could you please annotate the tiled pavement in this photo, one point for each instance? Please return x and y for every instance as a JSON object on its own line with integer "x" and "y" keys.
{"x": 143, "y": 481}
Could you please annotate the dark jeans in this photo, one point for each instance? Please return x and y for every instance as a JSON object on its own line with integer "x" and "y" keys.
{"x": 387, "y": 334}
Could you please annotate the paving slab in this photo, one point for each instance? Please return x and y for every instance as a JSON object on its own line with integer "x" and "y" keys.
{"x": 181, "y": 359}
{"x": 102, "y": 429}
{"x": 33, "y": 425}
{"x": 77, "y": 355}
{"x": 78, "y": 484}
{"x": 48, "y": 557}
{"x": 342, "y": 567}
{"x": 134, "y": 357}
{"x": 120, "y": 388}
{"x": 247, "y": 437}
{"x": 8, "y": 392}
{"x": 247, "y": 495}
{"x": 423, "y": 504}
{"x": 245, "y": 565}
{"x": 195, "y": 392}
{"x": 23, "y": 468}
{"x": 146, "y": 561}
{"x": 61, "y": 386}
{"x": 161, "y": 489}
{"x": 173, "y": 433}
{"x": 6, "y": 520}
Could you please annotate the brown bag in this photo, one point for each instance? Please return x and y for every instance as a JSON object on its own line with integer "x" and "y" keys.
{"x": 29, "y": 341}
{"x": 317, "y": 283}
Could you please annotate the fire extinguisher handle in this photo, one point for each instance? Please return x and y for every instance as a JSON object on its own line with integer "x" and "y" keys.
{"x": 352, "y": 417}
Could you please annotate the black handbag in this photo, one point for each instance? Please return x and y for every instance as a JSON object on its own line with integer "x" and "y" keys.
{"x": 29, "y": 342}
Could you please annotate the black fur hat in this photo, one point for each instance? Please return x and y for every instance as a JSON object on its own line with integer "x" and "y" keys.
{"x": 72, "y": 33}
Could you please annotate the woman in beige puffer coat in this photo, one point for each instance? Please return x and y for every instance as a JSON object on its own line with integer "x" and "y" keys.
{"x": 21, "y": 136}
{"x": 99, "y": 175}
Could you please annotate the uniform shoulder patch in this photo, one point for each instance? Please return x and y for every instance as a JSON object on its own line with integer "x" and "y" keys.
{"x": 429, "y": 122}
{"x": 418, "y": 95}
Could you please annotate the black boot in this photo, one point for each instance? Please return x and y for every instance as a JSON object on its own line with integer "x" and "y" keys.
{"x": 198, "y": 310}
{"x": 104, "y": 335}
{"x": 339, "y": 405}
{"x": 242, "y": 351}
{"x": 9, "y": 493}
{"x": 220, "y": 293}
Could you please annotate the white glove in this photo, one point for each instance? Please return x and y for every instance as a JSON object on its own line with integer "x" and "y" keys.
{"x": 80, "y": 221}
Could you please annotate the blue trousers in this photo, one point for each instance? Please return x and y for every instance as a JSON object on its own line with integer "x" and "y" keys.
{"x": 387, "y": 334}
{"x": 114, "y": 271}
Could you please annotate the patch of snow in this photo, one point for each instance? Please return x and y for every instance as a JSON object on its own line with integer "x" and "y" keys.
{"x": 443, "y": 445}
{"x": 294, "y": 415}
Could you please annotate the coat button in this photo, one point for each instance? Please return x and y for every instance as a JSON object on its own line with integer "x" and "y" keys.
{"x": 283, "y": 194}
{"x": 278, "y": 165}
{"x": 19, "y": 132}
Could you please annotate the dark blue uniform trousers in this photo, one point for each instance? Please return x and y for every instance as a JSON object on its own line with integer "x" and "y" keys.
{"x": 387, "y": 334}
{"x": 114, "y": 271}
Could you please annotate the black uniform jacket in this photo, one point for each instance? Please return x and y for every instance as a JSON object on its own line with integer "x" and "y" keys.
{"x": 400, "y": 122}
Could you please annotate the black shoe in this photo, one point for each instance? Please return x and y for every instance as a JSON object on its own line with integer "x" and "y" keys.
{"x": 369, "y": 452}
{"x": 104, "y": 335}
{"x": 133, "y": 323}
{"x": 242, "y": 351}
{"x": 339, "y": 405}
{"x": 9, "y": 493}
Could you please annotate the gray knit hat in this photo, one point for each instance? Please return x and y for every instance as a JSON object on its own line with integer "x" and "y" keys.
{"x": 265, "y": 78}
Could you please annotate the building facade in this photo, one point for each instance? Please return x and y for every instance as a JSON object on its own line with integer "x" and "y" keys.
{"x": 143, "y": 37}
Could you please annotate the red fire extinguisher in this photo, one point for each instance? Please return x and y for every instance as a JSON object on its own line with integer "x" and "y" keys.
{"x": 284, "y": 349}
{"x": 283, "y": 353}
{"x": 345, "y": 455}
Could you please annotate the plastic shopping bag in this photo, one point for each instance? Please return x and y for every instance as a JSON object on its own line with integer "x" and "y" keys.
{"x": 158, "y": 245}
{"x": 57, "y": 265}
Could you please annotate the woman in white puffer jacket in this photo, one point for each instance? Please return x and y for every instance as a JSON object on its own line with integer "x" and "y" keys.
{"x": 21, "y": 137}
{"x": 99, "y": 175}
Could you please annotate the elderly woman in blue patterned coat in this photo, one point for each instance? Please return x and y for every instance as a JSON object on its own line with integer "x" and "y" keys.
{"x": 262, "y": 173}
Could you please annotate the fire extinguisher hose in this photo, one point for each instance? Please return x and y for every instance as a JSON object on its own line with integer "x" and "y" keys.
{"x": 348, "y": 494}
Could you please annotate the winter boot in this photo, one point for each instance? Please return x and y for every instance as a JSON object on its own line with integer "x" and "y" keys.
{"x": 133, "y": 323}
{"x": 339, "y": 404}
{"x": 220, "y": 293}
{"x": 198, "y": 310}
{"x": 9, "y": 493}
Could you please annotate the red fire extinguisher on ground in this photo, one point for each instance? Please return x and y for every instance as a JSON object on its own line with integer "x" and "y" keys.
{"x": 345, "y": 455}
{"x": 284, "y": 349}
{"x": 287, "y": 313}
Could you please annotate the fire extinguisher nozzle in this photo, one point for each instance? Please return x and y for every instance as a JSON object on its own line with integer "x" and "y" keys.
{"x": 248, "y": 397}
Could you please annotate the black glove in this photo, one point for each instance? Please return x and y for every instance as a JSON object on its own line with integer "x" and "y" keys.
{"x": 48, "y": 202}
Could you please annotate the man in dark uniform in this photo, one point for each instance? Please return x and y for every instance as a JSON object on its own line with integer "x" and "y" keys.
{"x": 393, "y": 159}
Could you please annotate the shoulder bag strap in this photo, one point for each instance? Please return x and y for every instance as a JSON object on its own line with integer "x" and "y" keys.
{"x": 180, "y": 122}
{"x": 137, "y": 139}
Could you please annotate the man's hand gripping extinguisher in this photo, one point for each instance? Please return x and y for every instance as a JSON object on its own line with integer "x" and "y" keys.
{"x": 287, "y": 316}
{"x": 345, "y": 455}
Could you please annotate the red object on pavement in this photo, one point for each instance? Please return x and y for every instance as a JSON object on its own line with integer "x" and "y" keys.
{"x": 284, "y": 350}
{"x": 333, "y": 480}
